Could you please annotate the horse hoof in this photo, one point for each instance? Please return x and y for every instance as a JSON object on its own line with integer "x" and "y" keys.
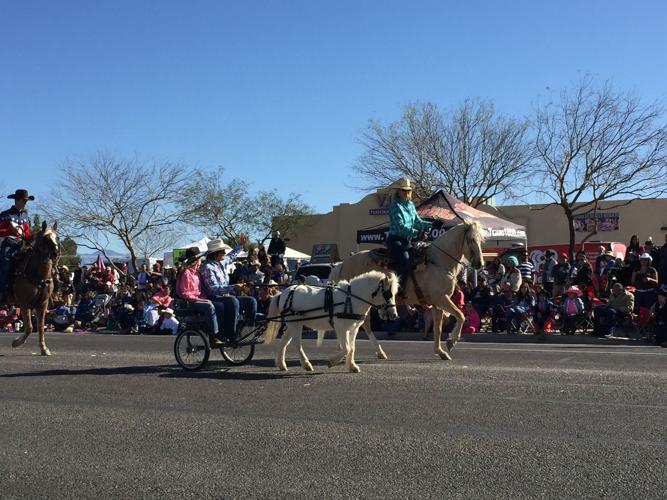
{"x": 282, "y": 368}
{"x": 444, "y": 355}
{"x": 46, "y": 352}
{"x": 381, "y": 355}
{"x": 308, "y": 367}
{"x": 354, "y": 369}
{"x": 450, "y": 345}
{"x": 18, "y": 342}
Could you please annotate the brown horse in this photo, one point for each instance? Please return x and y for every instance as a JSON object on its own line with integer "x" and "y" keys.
{"x": 32, "y": 283}
{"x": 445, "y": 259}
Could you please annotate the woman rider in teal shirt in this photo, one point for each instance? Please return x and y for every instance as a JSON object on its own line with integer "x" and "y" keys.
{"x": 404, "y": 224}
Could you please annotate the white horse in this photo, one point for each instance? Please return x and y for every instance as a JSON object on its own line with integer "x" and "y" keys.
{"x": 445, "y": 259}
{"x": 304, "y": 305}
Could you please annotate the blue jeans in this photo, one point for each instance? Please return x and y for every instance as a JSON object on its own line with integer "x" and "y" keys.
{"x": 8, "y": 251}
{"x": 213, "y": 312}
{"x": 399, "y": 250}
{"x": 232, "y": 307}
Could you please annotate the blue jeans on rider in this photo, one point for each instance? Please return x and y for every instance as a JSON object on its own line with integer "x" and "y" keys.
{"x": 399, "y": 250}
{"x": 213, "y": 312}
{"x": 8, "y": 251}
{"x": 233, "y": 305}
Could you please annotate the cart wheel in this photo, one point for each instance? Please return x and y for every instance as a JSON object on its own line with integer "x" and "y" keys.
{"x": 238, "y": 354}
{"x": 192, "y": 350}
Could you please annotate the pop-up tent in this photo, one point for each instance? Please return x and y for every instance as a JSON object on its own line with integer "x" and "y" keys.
{"x": 451, "y": 211}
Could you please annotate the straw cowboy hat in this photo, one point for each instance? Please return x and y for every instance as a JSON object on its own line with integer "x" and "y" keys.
{"x": 168, "y": 310}
{"x": 21, "y": 194}
{"x": 575, "y": 290}
{"x": 403, "y": 184}
{"x": 216, "y": 246}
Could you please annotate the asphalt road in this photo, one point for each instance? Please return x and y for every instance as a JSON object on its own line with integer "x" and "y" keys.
{"x": 114, "y": 417}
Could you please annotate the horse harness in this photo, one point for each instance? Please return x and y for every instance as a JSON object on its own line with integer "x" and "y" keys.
{"x": 329, "y": 305}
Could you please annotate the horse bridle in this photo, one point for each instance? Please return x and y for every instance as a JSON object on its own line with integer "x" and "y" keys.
{"x": 386, "y": 294}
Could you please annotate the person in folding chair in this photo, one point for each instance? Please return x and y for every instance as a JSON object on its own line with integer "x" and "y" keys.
{"x": 572, "y": 309}
{"x": 542, "y": 311}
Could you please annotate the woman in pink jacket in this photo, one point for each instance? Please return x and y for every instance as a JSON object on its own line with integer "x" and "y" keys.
{"x": 188, "y": 288}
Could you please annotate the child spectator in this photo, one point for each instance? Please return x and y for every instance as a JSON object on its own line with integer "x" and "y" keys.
{"x": 472, "y": 321}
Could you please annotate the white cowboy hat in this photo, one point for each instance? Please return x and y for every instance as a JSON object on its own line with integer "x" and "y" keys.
{"x": 168, "y": 310}
{"x": 403, "y": 183}
{"x": 216, "y": 246}
{"x": 646, "y": 256}
{"x": 272, "y": 283}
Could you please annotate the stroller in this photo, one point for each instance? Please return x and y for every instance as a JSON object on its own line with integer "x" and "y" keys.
{"x": 90, "y": 313}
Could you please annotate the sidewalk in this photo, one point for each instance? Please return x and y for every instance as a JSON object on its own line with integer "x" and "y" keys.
{"x": 504, "y": 338}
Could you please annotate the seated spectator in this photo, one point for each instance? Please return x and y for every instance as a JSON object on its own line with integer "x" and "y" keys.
{"x": 619, "y": 306}
{"x": 254, "y": 275}
{"x": 542, "y": 311}
{"x": 659, "y": 314}
{"x": 572, "y": 309}
{"x": 495, "y": 270}
{"x": 523, "y": 303}
{"x": 501, "y": 304}
{"x": 481, "y": 295}
{"x": 645, "y": 281}
{"x": 512, "y": 274}
{"x": 472, "y": 321}
{"x": 162, "y": 297}
{"x": 166, "y": 323}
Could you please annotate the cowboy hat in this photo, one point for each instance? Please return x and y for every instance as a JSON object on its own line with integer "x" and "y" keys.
{"x": 403, "y": 184}
{"x": 191, "y": 254}
{"x": 216, "y": 246}
{"x": 272, "y": 283}
{"x": 646, "y": 256}
{"x": 21, "y": 194}
{"x": 609, "y": 253}
{"x": 575, "y": 290}
{"x": 167, "y": 310}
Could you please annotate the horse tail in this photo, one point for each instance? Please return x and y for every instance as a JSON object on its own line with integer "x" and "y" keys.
{"x": 274, "y": 323}
{"x": 320, "y": 338}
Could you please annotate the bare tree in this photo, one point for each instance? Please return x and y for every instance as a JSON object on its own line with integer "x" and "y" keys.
{"x": 472, "y": 151}
{"x": 230, "y": 209}
{"x": 222, "y": 209}
{"x": 596, "y": 144}
{"x": 274, "y": 213}
{"x": 104, "y": 199}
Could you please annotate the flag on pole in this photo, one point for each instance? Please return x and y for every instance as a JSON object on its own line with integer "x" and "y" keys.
{"x": 100, "y": 262}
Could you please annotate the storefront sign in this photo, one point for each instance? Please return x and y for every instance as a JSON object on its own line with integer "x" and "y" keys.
{"x": 607, "y": 221}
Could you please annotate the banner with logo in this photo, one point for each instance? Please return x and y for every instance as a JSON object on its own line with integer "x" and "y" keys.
{"x": 606, "y": 221}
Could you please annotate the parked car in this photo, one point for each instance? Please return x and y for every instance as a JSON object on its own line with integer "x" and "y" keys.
{"x": 322, "y": 272}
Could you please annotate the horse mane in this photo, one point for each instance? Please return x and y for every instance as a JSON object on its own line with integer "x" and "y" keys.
{"x": 477, "y": 232}
{"x": 376, "y": 275}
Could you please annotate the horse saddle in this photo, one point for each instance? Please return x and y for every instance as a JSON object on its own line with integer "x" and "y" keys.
{"x": 418, "y": 252}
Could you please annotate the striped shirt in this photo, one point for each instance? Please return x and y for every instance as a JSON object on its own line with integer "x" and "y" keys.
{"x": 527, "y": 270}
{"x": 404, "y": 221}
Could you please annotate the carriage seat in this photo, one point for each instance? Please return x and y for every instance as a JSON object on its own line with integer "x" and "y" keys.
{"x": 382, "y": 258}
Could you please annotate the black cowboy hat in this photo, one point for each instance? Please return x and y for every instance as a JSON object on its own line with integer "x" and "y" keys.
{"x": 21, "y": 194}
{"x": 191, "y": 254}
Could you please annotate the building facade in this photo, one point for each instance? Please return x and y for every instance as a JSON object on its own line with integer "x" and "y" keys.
{"x": 544, "y": 224}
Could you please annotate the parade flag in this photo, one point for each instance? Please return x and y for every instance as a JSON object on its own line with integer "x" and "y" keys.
{"x": 100, "y": 262}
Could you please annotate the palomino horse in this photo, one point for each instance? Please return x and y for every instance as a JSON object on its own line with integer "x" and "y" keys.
{"x": 445, "y": 259}
{"x": 303, "y": 305}
{"x": 32, "y": 283}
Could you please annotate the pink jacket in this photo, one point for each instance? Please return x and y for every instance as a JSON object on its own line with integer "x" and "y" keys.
{"x": 162, "y": 300}
{"x": 472, "y": 319}
{"x": 188, "y": 286}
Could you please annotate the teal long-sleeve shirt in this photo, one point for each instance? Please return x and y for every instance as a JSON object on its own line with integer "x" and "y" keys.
{"x": 404, "y": 220}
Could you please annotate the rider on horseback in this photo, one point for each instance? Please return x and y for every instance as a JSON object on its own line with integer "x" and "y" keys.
{"x": 14, "y": 230}
{"x": 404, "y": 224}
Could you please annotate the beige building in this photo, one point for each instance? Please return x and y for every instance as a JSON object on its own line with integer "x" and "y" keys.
{"x": 543, "y": 225}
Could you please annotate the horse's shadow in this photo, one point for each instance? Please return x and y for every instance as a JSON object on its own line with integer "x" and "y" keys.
{"x": 214, "y": 370}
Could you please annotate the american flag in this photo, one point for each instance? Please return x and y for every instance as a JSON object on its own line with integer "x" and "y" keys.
{"x": 100, "y": 262}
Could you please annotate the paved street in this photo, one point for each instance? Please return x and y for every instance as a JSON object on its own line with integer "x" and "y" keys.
{"x": 112, "y": 416}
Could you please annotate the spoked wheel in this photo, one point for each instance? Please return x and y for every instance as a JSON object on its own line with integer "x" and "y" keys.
{"x": 192, "y": 350}
{"x": 238, "y": 354}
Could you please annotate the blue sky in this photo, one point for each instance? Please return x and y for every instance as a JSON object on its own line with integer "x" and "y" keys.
{"x": 278, "y": 91}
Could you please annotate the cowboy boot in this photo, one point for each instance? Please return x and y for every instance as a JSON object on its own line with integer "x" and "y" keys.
{"x": 214, "y": 341}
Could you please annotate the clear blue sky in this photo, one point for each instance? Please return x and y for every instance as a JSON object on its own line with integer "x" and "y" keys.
{"x": 278, "y": 91}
